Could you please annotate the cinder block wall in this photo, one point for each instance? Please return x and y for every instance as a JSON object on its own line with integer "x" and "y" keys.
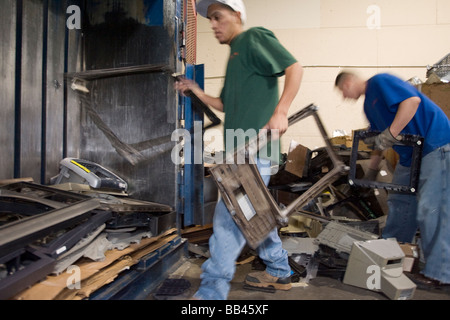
{"x": 368, "y": 36}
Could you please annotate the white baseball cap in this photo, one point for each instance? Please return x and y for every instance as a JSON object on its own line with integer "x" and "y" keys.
{"x": 236, "y": 5}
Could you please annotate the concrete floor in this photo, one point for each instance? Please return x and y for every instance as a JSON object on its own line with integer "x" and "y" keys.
{"x": 319, "y": 288}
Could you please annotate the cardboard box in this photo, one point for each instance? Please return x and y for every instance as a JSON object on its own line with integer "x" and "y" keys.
{"x": 342, "y": 141}
{"x": 298, "y": 160}
{"x": 440, "y": 94}
{"x": 411, "y": 261}
{"x": 361, "y": 146}
{"x": 348, "y": 143}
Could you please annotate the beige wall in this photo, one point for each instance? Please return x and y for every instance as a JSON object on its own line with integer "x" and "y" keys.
{"x": 326, "y": 36}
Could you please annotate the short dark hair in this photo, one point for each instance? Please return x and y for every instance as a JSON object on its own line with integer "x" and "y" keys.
{"x": 341, "y": 77}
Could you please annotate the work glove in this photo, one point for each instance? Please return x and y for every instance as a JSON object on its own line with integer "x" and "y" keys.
{"x": 383, "y": 141}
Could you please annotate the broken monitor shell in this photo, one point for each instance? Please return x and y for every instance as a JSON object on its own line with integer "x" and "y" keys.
{"x": 377, "y": 265}
{"x": 249, "y": 201}
{"x": 384, "y": 178}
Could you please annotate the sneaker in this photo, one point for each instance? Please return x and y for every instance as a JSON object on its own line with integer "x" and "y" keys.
{"x": 264, "y": 280}
{"x": 425, "y": 283}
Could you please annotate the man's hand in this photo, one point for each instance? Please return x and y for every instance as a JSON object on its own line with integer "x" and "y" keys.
{"x": 383, "y": 141}
{"x": 278, "y": 125}
{"x": 184, "y": 85}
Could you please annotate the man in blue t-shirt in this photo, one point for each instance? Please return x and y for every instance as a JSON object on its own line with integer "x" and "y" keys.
{"x": 395, "y": 107}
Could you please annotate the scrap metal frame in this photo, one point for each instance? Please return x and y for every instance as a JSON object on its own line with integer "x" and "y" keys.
{"x": 43, "y": 194}
{"x": 38, "y": 269}
{"x": 414, "y": 141}
{"x": 15, "y": 234}
{"x": 69, "y": 239}
{"x": 243, "y": 189}
{"x": 17, "y": 241}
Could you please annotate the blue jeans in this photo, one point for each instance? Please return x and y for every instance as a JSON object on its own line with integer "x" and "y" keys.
{"x": 225, "y": 246}
{"x": 401, "y": 221}
{"x": 434, "y": 213}
{"x": 429, "y": 212}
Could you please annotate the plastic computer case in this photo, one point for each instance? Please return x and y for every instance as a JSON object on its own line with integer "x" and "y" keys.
{"x": 378, "y": 265}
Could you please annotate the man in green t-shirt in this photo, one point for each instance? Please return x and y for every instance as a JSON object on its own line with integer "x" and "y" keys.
{"x": 251, "y": 102}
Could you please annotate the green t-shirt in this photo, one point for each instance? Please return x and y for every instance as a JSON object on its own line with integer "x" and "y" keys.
{"x": 250, "y": 93}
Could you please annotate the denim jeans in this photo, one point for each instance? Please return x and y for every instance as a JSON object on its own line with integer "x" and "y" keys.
{"x": 225, "y": 246}
{"x": 434, "y": 213}
{"x": 429, "y": 212}
{"x": 401, "y": 221}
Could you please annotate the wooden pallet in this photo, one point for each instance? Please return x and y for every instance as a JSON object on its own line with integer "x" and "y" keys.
{"x": 94, "y": 275}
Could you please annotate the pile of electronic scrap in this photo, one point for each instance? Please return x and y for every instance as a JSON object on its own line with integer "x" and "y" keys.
{"x": 341, "y": 206}
{"x": 84, "y": 213}
{"x": 338, "y": 233}
{"x": 355, "y": 257}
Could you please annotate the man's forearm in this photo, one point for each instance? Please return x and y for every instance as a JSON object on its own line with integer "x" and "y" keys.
{"x": 184, "y": 85}
{"x": 375, "y": 159}
{"x": 293, "y": 79}
{"x": 213, "y": 102}
{"x": 406, "y": 111}
{"x": 279, "y": 120}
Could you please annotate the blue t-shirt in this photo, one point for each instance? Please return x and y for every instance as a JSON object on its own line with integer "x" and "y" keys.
{"x": 384, "y": 94}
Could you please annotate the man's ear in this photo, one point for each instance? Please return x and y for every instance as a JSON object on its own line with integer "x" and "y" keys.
{"x": 238, "y": 14}
{"x": 346, "y": 84}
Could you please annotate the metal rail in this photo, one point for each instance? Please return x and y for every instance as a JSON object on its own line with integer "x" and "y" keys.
{"x": 31, "y": 228}
{"x": 414, "y": 142}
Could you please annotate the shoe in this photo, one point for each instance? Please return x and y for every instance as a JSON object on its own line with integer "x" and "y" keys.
{"x": 264, "y": 280}
{"x": 423, "y": 282}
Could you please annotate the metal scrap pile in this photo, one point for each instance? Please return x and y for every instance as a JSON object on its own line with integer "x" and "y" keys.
{"x": 44, "y": 230}
{"x": 338, "y": 201}
{"x": 320, "y": 236}
{"x": 323, "y": 195}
